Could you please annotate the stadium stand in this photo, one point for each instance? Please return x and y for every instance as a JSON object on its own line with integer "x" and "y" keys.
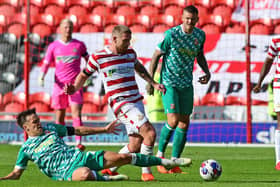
{"x": 164, "y": 19}
{"x": 229, "y": 3}
{"x": 211, "y": 28}
{"x": 77, "y": 10}
{"x": 101, "y": 10}
{"x": 196, "y": 100}
{"x": 213, "y": 99}
{"x": 260, "y": 28}
{"x": 138, "y": 28}
{"x": 131, "y": 3}
{"x": 149, "y": 10}
{"x": 88, "y": 28}
{"x": 235, "y": 100}
{"x": 180, "y": 3}
{"x": 205, "y": 3}
{"x": 16, "y": 29}
{"x": 42, "y": 97}
{"x": 94, "y": 19}
{"x": 160, "y": 28}
{"x": 235, "y": 28}
{"x": 277, "y": 29}
{"x": 7, "y": 10}
{"x": 84, "y": 3}
{"x": 61, "y": 3}
{"x": 125, "y": 10}
{"x": 156, "y": 3}
{"x": 173, "y": 10}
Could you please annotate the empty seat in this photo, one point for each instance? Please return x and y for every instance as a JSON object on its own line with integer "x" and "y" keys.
{"x": 40, "y": 107}
{"x": 164, "y": 19}
{"x": 202, "y": 10}
{"x": 259, "y": 29}
{"x": 101, "y": 10}
{"x": 276, "y": 29}
{"x": 116, "y": 19}
{"x": 126, "y": 10}
{"x": 222, "y": 10}
{"x": 160, "y": 28}
{"x": 109, "y": 28}
{"x": 3, "y": 20}
{"x": 61, "y": 3}
{"x": 173, "y": 10}
{"x": 236, "y": 28}
{"x": 89, "y": 108}
{"x": 16, "y": 29}
{"x": 92, "y": 97}
{"x": 77, "y": 10}
{"x": 42, "y": 97}
{"x": 42, "y": 30}
{"x": 11, "y": 98}
{"x": 47, "y": 19}
{"x": 88, "y": 28}
{"x": 138, "y": 28}
{"x": 213, "y": 99}
{"x": 108, "y": 3}
{"x": 85, "y": 3}
{"x": 91, "y": 19}
{"x": 143, "y": 20}
{"x": 14, "y": 107}
{"x": 230, "y": 3}
{"x": 205, "y": 3}
{"x": 132, "y": 3}
{"x": 235, "y": 100}
{"x": 7, "y": 10}
{"x": 211, "y": 29}
{"x": 149, "y": 10}
{"x": 53, "y": 9}
{"x": 34, "y": 10}
{"x": 14, "y": 3}
{"x": 156, "y": 3}
{"x": 181, "y": 3}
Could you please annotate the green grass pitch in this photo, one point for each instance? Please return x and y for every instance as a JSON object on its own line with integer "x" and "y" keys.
{"x": 242, "y": 166}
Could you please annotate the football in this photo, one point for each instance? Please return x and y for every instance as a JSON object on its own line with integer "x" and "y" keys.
{"x": 210, "y": 170}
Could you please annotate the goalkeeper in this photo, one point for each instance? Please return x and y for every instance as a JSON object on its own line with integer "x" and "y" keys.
{"x": 58, "y": 161}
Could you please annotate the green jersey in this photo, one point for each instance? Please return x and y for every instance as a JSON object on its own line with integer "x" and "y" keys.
{"x": 53, "y": 157}
{"x": 180, "y": 50}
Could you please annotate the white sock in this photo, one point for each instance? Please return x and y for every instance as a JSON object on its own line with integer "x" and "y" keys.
{"x": 146, "y": 150}
{"x": 277, "y": 145}
{"x": 94, "y": 174}
{"x": 160, "y": 154}
{"x": 122, "y": 150}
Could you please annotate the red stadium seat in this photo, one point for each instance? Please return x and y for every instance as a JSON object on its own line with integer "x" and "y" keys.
{"x": 222, "y": 10}
{"x": 42, "y": 97}
{"x": 14, "y": 3}
{"x": 126, "y": 10}
{"x": 53, "y": 10}
{"x": 42, "y": 30}
{"x": 132, "y": 3}
{"x": 10, "y": 98}
{"x": 276, "y": 29}
{"x": 3, "y": 20}
{"x": 101, "y": 10}
{"x": 85, "y": 3}
{"x": 213, "y": 99}
{"x": 16, "y": 29}
{"x": 138, "y": 28}
{"x": 173, "y": 10}
{"x": 89, "y": 107}
{"x": 7, "y": 10}
{"x": 88, "y": 28}
{"x": 108, "y": 3}
{"x": 61, "y": 3}
{"x": 143, "y": 20}
{"x": 202, "y": 10}
{"x": 116, "y": 19}
{"x": 14, "y": 107}
{"x": 196, "y": 100}
{"x": 77, "y": 10}
{"x": 230, "y": 3}
{"x": 46, "y": 19}
{"x": 181, "y": 3}
{"x": 235, "y": 100}
{"x": 205, "y": 3}
{"x": 34, "y": 10}
{"x": 160, "y": 28}
{"x": 91, "y": 19}
{"x": 149, "y": 10}
{"x": 38, "y": 3}
{"x": 259, "y": 29}
{"x": 211, "y": 28}
{"x": 164, "y": 19}
{"x": 236, "y": 28}
{"x": 109, "y": 28}
{"x": 92, "y": 98}
{"x": 40, "y": 107}
{"x": 156, "y": 3}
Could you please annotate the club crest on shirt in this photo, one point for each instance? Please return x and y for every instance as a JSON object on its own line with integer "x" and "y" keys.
{"x": 172, "y": 106}
{"x": 195, "y": 41}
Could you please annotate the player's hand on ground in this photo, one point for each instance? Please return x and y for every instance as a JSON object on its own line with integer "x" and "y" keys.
{"x": 112, "y": 127}
{"x": 160, "y": 87}
{"x": 257, "y": 88}
{"x": 204, "y": 79}
{"x": 69, "y": 89}
{"x": 150, "y": 89}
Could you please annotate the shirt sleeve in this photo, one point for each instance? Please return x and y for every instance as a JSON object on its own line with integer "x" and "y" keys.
{"x": 22, "y": 159}
{"x": 49, "y": 58}
{"x": 84, "y": 51}
{"x": 272, "y": 49}
{"x": 165, "y": 45}
{"x": 91, "y": 66}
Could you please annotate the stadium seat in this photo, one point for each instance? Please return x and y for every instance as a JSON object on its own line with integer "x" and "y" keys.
{"x": 42, "y": 97}
{"x": 236, "y": 28}
{"x": 38, "y": 3}
{"x": 14, "y": 107}
{"x": 230, "y": 3}
{"x": 72, "y": 17}
{"x": 85, "y": 3}
{"x": 156, "y": 3}
{"x": 11, "y": 98}
{"x": 138, "y": 28}
{"x": 7, "y": 10}
{"x": 14, "y": 3}
{"x": 77, "y": 10}
{"x": 40, "y": 107}
{"x": 223, "y": 11}
{"x": 202, "y": 10}
{"x": 143, "y": 20}
{"x": 213, "y": 99}
{"x": 4, "y": 21}
{"x": 160, "y": 28}
{"x": 53, "y": 10}
{"x": 125, "y": 10}
{"x": 116, "y": 19}
{"x": 259, "y": 29}
{"x": 149, "y": 10}
{"x": 61, "y": 3}
{"x": 164, "y": 19}
{"x": 276, "y": 29}
{"x": 42, "y": 30}
{"x": 91, "y": 97}
{"x": 108, "y": 3}
{"x": 181, "y": 3}
{"x": 173, "y": 10}
{"x": 89, "y": 108}
{"x": 235, "y": 100}
{"x": 101, "y": 10}
{"x": 47, "y": 19}
{"x": 91, "y": 19}
{"x": 17, "y": 29}
{"x": 34, "y": 10}
{"x": 205, "y": 3}
{"x": 211, "y": 28}
{"x": 88, "y": 28}
{"x": 132, "y": 3}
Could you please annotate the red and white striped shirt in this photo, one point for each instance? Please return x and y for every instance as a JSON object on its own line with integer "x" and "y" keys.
{"x": 118, "y": 75}
{"x": 273, "y": 51}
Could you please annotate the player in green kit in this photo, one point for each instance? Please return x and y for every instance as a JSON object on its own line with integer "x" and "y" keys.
{"x": 179, "y": 48}
{"x": 58, "y": 161}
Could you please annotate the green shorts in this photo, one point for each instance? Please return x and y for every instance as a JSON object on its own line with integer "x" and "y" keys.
{"x": 94, "y": 161}
{"x": 178, "y": 100}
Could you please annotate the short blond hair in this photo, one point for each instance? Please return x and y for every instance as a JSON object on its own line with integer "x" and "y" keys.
{"x": 66, "y": 20}
{"x": 120, "y": 29}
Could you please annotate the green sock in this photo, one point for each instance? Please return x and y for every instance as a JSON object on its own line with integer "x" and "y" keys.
{"x": 179, "y": 141}
{"x": 165, "y": 135}
{"x": 139, "y": 159}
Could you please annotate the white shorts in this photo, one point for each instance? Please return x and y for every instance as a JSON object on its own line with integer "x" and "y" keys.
{"x": 276, "y": 99}
{"x": 132, "y": 115}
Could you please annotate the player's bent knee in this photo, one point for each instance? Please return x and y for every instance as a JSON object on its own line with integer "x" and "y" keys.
{"x": 82, "y": 174}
